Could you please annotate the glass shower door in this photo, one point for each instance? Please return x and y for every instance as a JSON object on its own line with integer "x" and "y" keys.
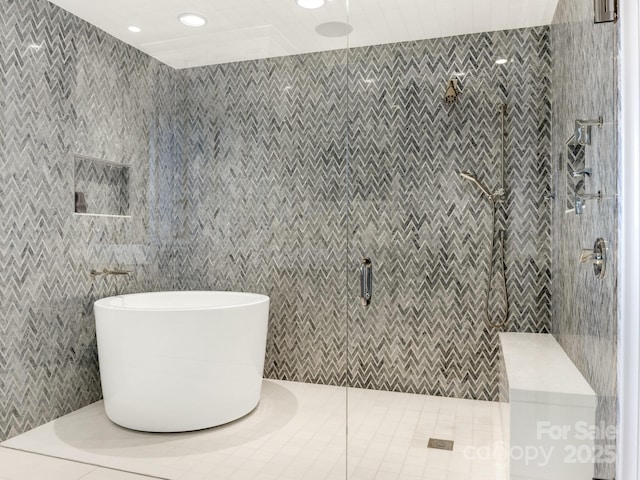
{"x": 282, "y": 210}
{"x": 423, "y": 357}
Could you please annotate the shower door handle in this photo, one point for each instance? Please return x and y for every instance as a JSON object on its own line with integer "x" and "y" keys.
{"x": 366, "y": 281}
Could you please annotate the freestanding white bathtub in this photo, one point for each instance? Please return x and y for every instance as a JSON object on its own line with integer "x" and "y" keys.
{"x": 181, "y": 361}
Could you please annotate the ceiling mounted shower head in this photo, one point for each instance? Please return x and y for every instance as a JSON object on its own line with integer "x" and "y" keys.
{"x": 452, "y": 91}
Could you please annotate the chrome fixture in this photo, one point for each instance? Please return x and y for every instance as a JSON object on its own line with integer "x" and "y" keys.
{"x": 452, "y": 91}
{"x": 582, "y": 131}
{"x": 605, "y": 11}
{"x": 366, "y": 281}
{"x": 503, "y": 113}
{"x": 585, "y": 172}
{"x": 106, "y": 271}
{"x": 580, "y": 200}
{"x": 495, "y": 198}
{"x": 473, "y": 179}
{"x": 598, "y": 256}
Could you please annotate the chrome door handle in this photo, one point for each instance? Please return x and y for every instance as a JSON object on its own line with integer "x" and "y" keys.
{"x": 366, "y": 281}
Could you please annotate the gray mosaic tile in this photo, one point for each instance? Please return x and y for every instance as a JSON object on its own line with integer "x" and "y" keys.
{"x": 584, "y": 308}
{"x": 104, "y": 186}
{"x": 261, "y": 176}
{"x": 268, "y": 212}
{"x": 66, "y": 87}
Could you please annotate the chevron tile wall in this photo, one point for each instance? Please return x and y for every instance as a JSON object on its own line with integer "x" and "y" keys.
{"x": 66, "y": 87}
{"x": 105, "y": 186}
{"x": 273, "y": 176}
{"x": 265, "y": 155}
{"x": 427, "y": 231}
{"x": 584, "y": 308}
{"x": 273, "y": 206}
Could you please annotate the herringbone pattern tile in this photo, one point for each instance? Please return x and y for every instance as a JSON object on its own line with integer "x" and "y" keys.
{"x": 426, "y": 230}
{"x": 271, "y": 176}
{"x": 67, "y": 87}
{"x": 272, "y": 200}
{"x": 267, "y": 201}
{"x": 105, "y": 186}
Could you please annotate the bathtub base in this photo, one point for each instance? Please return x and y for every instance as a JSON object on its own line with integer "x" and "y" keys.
{"x": 122, "y": 417}
{"x": 187, "y": 361}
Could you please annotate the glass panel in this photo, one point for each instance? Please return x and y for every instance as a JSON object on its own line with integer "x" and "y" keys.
{"x": 449, "y": 144}
{"x": 267, "y": 143}
{"x": 584, "y": 307}
{"x": 236, "y": 136}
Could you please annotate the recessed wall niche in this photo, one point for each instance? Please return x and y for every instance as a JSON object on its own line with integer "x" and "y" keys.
{"x": 101, "y": 187}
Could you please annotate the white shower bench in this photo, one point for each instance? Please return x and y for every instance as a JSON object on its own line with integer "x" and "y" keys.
{"x": 548, "y": 410}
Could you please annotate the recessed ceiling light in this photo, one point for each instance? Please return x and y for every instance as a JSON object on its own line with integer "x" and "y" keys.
{"x": 134, "y": 29}
{"x": 311, "y": 3}
{"x": 501, "y": 61}
{"x": 192, "y": 20}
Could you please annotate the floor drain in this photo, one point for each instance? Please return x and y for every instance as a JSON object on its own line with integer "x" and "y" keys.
{"x": 440, "y": 444}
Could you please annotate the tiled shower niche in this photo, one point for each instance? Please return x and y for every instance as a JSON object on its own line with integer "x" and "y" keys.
{"x": 101, "y": 187}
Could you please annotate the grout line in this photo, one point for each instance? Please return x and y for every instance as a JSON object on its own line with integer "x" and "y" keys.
{"x": 83, "y": 463}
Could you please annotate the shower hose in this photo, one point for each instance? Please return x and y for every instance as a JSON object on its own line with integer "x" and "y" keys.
{"x": 505, "y": 319}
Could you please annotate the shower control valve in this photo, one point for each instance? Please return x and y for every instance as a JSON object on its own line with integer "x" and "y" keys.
{"x": 597, "y": 256}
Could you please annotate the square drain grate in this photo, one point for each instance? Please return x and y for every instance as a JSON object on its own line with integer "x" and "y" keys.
{"x": 440, "y": 444}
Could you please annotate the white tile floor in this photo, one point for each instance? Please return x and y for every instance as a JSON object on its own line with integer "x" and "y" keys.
{"x": 296, "y": 433}
{"x": 16, "y": 465}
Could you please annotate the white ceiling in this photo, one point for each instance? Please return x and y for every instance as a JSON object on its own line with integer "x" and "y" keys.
{"x": 240, "y": 30}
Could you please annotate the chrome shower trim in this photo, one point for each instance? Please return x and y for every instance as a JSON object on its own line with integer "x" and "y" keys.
{"x": 472, "y": 178}
{"x": 495, "y": 198}
{"x": 503, "y": 114}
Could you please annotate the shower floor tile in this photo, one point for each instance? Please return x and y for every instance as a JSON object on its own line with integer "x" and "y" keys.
{"x": 296, "y": 433}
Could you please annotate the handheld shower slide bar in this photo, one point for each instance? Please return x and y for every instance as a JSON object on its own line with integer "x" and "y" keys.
{"x": 494, "y": 199}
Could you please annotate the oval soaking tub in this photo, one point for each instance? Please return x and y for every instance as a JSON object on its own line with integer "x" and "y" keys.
{"x": 181, "y": 361}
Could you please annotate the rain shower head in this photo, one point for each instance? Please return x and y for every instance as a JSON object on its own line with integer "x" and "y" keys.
{"x": 452, "y": 91}
{"x": 473, "y": 179}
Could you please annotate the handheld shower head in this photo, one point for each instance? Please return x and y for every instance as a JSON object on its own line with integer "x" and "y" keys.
{"x": 473, "y": 179}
